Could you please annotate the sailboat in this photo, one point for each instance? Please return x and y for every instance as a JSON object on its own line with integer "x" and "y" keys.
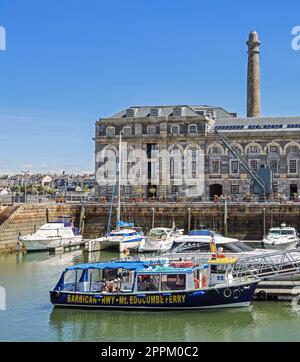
{"x": 125, "y": 236}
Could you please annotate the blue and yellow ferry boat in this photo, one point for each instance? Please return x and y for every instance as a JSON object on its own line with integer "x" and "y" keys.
{"x": 164, "y": 284}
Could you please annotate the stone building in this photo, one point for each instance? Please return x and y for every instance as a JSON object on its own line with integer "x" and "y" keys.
{"x": 271, "y": 141}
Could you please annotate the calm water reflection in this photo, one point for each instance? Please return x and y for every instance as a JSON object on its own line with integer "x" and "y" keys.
{"x": 30, "y": 316}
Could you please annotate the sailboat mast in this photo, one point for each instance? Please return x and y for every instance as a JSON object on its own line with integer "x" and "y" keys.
{"x": 119, "y": 182}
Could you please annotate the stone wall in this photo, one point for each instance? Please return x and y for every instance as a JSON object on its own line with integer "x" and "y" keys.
{"x": 29, "y": 218}
{"x": 245, "y": 221}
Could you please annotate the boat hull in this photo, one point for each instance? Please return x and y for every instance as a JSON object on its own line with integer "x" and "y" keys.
{"x": 238, "y": 295}
{"x": 44, "y": 244}
{"x": 117, "y": 245}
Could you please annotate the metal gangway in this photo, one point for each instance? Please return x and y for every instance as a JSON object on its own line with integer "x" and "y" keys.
{"x": 269, "y": 264}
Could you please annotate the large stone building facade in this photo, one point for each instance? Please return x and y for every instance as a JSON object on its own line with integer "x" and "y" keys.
{"x": 181, "y": 130}
{"x": 264, "y": 141}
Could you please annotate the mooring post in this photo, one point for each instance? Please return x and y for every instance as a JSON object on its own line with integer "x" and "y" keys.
{"x": 153, "y": 217}
{"x": 225, "y": 218}
{"x": 264, "y": 222}
{"x": 189, "y": 219}
{"x": 47, "y": 215}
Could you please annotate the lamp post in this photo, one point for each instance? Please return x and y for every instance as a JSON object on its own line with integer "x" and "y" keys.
{"x": 25, "y": 184}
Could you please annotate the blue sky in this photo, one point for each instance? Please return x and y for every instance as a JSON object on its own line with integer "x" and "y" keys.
{"x": 69, "y": 62}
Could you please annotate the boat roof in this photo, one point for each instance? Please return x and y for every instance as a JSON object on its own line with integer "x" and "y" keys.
{"x": 54, "y": 226}
{"x": 145, "y": 267}
{"x": 123, "y": 231}
{"x": 130, "y": 265}
{"x": 200, "y": 232}
{"x": 204, "y": 239}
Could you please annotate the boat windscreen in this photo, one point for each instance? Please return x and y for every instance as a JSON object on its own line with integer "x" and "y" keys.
{"x": 287, "y": 232}
{"x": 236, "y": 247}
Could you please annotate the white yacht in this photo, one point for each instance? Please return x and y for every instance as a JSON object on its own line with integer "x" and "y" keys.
{"x": 159, "y": 240}
{"x": 283, "y": 237}
{"x": 52, "y": 235}
{"x": 125, "y": 236}
{"x": 199, "y": 242}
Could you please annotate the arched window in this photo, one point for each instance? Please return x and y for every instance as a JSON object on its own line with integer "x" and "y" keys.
{"x": 192, "y": 128}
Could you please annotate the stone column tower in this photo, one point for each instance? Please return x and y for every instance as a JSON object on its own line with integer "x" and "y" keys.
{"x": 253, "y": 83}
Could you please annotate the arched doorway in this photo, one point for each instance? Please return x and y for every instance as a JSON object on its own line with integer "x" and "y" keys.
{"x": 215, "y": 189}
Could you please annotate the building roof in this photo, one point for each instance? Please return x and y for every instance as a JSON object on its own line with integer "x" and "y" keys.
{"x": 257, "y": 124}
{"x": 167, "y": 111}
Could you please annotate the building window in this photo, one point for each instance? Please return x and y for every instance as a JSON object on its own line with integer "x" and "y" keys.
{"x": 253, "y": 149}
{"x": 175, "y": 129}
{"x": 274, "y": 166}
{"x": 234, "y": 167}
{"x": 177, "y": 112}
{"x": 175, "y": 190}
{"x": 110, "y": 131}
{"x": 273, "y": 149}
{"x": 215, "y": 150}
{"x": 253, "y": 165}
{"x": 215, "y": 167}
{"x": 293, "y": 166}
{"x": 153, "y": 112}
{"x": 192, "y": 128}
{"x": 293, "y": 148}
{"x": 130, "y": 112}
{"x": 194, "y": 169}
{"x": 127, "y": 131}
{"x": 151, "y": 130}
{"x": 127, "y": 190}
{"x": 235, "y": 190}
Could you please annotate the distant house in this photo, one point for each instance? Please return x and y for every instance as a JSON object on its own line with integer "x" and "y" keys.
{"x": 46, "y": 181}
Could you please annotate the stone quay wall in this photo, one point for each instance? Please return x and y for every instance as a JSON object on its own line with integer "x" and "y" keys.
{"x": 244, "y": 221}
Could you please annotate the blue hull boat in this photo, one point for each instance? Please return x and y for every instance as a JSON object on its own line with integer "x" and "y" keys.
{"x": 164, "y": 284}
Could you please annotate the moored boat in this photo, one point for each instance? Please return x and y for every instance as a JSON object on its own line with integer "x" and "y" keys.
{"x": 180, "y": 284}
{"x": 159, "y": 240}
{"x": 52, "y": 235}
{"x": 283, "y": 237}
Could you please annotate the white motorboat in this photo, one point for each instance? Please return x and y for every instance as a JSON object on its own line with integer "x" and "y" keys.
{"x": 60, "y": 233}
{"x": 125, "y": 237}
{"x": 283, "y": 237}
{"x": 159, "y": 240}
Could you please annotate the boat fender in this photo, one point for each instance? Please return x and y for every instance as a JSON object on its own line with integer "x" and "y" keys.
{"x": 236, "y": 294}
{"x": 197, "y": 283}
{"x": 227, "y": 293}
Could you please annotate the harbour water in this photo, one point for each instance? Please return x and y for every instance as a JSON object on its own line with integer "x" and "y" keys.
{"x": 29, "y": 315}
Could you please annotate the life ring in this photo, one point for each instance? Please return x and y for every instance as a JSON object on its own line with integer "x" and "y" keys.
{"x": 227, "y": 293}
{"x": 204, "y": 284}
{"x": 236, "y": 294}
{"x": 197, "y": 283}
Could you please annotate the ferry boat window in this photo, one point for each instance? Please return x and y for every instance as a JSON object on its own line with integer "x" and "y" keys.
{"x": 173, "y": 281}
{"x": 148, "y": 282}
{"x": 94, "y": 280}
{"x": 72, "y": 280}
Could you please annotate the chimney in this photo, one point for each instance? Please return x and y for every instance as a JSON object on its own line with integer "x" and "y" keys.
{"x": 253, "y": 82}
